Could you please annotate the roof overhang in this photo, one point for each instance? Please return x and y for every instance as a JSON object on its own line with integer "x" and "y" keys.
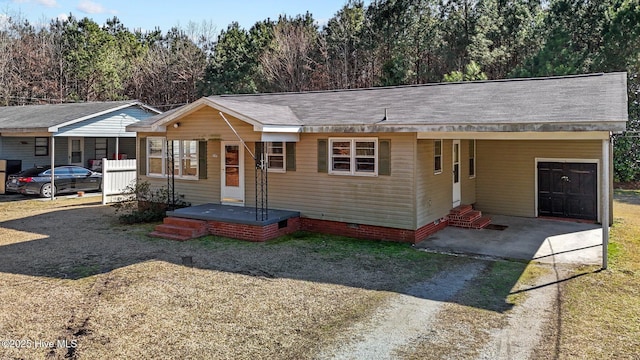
{"x": 545, "y": 128}
{"x": 36, "y": 132}
{"x": 160, "y": 125}
{"x": 56, "y": 128}
{"x": 173, "y": 116}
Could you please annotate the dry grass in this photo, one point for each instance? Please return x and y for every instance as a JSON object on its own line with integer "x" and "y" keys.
{"x": 600, "y": 311}
{"x": 70, "y": 272}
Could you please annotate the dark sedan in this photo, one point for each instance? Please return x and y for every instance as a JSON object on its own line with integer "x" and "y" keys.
{"x": 68, "y": 179}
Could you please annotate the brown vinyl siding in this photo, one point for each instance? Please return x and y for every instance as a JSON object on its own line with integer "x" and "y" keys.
{"x": 506, "y": 172}
{"x": 374, "y": 200}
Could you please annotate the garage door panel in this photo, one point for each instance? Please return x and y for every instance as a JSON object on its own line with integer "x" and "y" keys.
{"x": 567, "y": 190}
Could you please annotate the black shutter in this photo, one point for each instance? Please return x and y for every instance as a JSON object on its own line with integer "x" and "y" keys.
{"x": 322, "y": 156}
{"x": 142, "y": 158}
{"x": 202, "y": 159}
{"x": 384, "y": 157}
{"x": 291, "y": 156}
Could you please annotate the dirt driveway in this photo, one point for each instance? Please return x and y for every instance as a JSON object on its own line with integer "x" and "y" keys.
{"x": 81, "y": 286}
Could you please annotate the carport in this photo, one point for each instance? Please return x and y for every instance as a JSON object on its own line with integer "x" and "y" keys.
{"x": 528, "y": 239}
{"x": 73, "y": 133}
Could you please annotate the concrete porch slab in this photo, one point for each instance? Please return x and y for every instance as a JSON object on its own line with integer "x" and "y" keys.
{"x": 531, "y": 239}
{"x": 232, "y": 214}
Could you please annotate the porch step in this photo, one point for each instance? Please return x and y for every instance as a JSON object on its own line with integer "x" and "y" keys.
{"x": 460, "y": 210}
{"x": 464, "y": 216}
{"x": 180, "y": 229}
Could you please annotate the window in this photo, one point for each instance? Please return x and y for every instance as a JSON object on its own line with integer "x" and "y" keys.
{"x": 101, "y": 148}
{"x": 472, "y": 158}
{"x": 156, "y": 156}
{"x": 185, "y": 154}
{"x": 276, "y": 156}
{"x": 185, "y": 157}
{"x": 42, "y": 146}
{"x": 354, "y": 156}
{"x": 437, "y": 156}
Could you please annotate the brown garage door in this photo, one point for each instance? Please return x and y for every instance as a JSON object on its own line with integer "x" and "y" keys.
{"x": 568, "y": 190}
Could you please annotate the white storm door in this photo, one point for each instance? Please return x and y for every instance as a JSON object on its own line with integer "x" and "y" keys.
{"x": 76, "y": 151}
{"x": 456, "y": 173}
{"x": 232, "y": 191}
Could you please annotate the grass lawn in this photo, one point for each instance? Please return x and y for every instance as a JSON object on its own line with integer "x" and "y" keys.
{"x": 70, "y": 272}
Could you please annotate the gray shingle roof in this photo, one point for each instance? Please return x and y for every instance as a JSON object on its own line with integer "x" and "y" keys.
{"x": 41, "y": 117}
{"x": 570, "y": 99}
{"x": 264, "y": 113}
{"x": 593, "y": 102}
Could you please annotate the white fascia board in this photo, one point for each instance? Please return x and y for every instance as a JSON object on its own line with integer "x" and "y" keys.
{"x": 279, "y": 133}
{"x": 286, "y": 137}
{"x": 278, "y": 128}
{"x": 71, "y": 122}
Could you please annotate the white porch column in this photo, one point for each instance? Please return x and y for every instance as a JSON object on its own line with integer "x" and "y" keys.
{"x": 605, "y": 199}
{"x": 117, "y": 147}
{"x": 53, "y": 165}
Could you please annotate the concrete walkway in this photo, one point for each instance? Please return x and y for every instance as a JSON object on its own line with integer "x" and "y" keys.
{"x": 542, "y": 240}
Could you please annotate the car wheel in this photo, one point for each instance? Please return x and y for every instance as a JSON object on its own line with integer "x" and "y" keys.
{"x": 45, "y": 190}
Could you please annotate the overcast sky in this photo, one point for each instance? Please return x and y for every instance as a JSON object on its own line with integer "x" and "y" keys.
{"x": 146, "y": 15}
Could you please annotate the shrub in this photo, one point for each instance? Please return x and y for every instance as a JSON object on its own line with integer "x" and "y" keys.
{"x": 144, "y": 203}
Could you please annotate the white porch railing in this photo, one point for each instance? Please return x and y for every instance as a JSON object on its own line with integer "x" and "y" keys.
{"x": 116, "y": 176}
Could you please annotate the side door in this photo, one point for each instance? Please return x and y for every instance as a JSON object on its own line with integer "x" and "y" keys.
{"x": 76, "y": 151}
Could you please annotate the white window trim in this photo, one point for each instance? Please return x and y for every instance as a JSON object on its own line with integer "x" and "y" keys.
{"x": 475, "y": 159}
{"x": 352, "y": 155}
{"x": 437, "y": 171}
{"x": 181, "y": 156}
{"x": 284, "y": 157}
{"x": 164, "y": 159}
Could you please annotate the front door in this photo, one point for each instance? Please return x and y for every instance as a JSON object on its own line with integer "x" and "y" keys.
{"x": 568, "y": 190}
{"x": 76, "y": 151}
{"x": 232, "y": 191}
{"x": 456, "y": 173}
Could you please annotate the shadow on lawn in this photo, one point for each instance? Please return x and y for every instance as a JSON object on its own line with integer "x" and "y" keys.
{"x": 74, "y": 243}
{"x": 628, "y": 196}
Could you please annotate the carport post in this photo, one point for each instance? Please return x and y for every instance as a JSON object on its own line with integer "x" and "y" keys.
{"x": 53, "y": 162}
{"x": 604, "y": 217}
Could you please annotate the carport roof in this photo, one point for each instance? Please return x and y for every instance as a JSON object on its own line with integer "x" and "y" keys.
{"x": 592, "y": 102}
{"x": 46, "y": 118}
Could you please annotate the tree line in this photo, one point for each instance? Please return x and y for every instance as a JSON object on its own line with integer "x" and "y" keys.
{"x": 384, "y": 43}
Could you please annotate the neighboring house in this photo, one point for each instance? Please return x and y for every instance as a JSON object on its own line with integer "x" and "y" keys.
{"x": 77, "y": 133}
{"x": 391, "y": 162}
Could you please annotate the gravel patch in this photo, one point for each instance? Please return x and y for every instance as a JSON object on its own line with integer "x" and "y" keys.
{"x": 405, "y": 318}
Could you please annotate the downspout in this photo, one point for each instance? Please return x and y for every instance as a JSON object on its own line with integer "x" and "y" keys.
{"x": 604, "y": 215}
